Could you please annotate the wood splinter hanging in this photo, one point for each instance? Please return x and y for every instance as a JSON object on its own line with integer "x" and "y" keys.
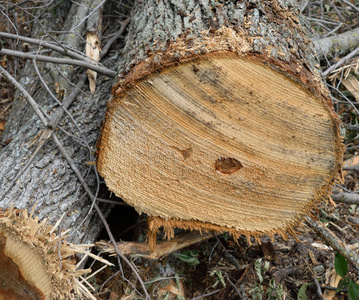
{"x": 38, "y": 264}
{"x": 220, "y": 120}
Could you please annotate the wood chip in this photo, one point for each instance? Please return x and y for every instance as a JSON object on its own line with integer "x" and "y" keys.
{"x": 352, "y": 85}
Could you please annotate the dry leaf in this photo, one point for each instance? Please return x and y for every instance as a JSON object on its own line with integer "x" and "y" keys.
{"x": 321, "y": 246}
{"x": 2, "y": 124}
{"x": 350, "y": 162}
{"x": 333, "y": 281}
{"x": 312, "y": 257}
{"x": 59, "y": 92}
{"x": 173, "y": 289}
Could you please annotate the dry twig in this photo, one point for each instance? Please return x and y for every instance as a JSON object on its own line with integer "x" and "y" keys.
{"x": 163, "y": 248}
{"x": 57, "y": 60}
{"x": 75, "y": 170}
{"x": 334, "y": 242}
{"x": 65, "y": 50}
{"x": 346, "y": 198}
{"x": 341, "y": 61}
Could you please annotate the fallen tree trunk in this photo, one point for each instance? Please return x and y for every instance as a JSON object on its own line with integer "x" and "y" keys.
{"x": 48, "y": 183}
{"x": 221, "y": 120}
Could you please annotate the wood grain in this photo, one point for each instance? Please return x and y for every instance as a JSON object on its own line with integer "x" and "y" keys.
{"x": 222, "y": 108}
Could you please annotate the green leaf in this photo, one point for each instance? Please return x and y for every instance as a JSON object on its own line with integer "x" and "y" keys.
{"x": 352, "y": 208}
{"x": 257, "y": 292}
{"x": 220, "y": 278}
{"x": 190, "y": 257}
{"x": 302, "y": 294}
{"x": 341, "y": 265}
{"x": 353, "y": 290}
{"x": 258, "y": 268}
{"x": 265, "y": 267}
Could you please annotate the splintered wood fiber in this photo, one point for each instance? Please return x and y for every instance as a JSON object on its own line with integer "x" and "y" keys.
{"x": 248, "y": 150}
{"x": 220, "y": 118}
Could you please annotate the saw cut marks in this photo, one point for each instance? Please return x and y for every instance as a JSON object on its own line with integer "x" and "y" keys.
{"x": 262, "y": 148}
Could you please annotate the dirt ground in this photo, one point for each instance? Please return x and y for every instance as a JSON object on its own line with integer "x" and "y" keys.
{"x": 226, "y": 269}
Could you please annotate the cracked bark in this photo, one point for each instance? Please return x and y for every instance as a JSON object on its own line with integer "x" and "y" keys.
{"x": 49, "y": 183}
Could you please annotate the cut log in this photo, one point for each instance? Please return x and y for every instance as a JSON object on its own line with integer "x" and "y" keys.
{"x": 220, "y": 120}
{"x": 49, "y": 181}
{"x": 35, "y": 262}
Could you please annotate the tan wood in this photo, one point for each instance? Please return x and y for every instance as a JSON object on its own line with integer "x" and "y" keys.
{"x": 163, "y": 248}
{"x": 35, "y": 263}
{"x": 222, "y": 143}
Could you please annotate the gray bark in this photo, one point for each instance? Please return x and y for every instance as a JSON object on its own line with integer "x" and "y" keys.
{"x": 275, "y": 31}
{"x": 337, "y": 45}
{"x": 49, "y": 183}
{"x": 165, "y": 33}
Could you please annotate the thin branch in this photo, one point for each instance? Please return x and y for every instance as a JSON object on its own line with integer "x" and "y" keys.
{"x": 76, "y": 171}
{"x": 25, "y": 93}
{"x": 70, "y": 83}
{"x": 231, "y": 258}
{"x": 53, "y": 125}
{"x": 3, "y": 111}
{"x": 354, "y": 168}
{"x": 206, "y": 295}
{"x": 318, "y": 287}
{"x": 20, "y": 4}
{"x": 58, "y": 60}
{"x": 346, "y": 98}
{"x": 66, "y": 51}
{"x": 351, "y": 5}
{"x": 40, "y": 24}
{"x": 115, "y": 37}
{"x": 346, "y": 198}
{"x": 48, "y": 130}
{"x": 9, "y": 20}
{"x": 233, "y": 286}
{"x": 42, "y": 140}
{"x": 341, "y": 61}
{"x": 334, "y": 242}
{"x": 112, "y": 202}
{"x": 352, "y": 127}
{"x": 89, "y": 15}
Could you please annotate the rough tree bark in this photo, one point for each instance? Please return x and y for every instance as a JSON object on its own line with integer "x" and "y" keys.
{"x": 49, "y": 183}
{"x": 221, "y": 120}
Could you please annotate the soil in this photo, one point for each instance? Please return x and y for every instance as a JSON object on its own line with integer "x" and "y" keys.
{"x": 292, "y": 264}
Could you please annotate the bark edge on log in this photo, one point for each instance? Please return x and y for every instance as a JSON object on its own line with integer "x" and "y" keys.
{"x": 293, "y": 57}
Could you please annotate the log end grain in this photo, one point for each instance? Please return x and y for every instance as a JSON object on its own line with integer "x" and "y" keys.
{"x": 33, "y": 265}
{"x": 221, "y": 143}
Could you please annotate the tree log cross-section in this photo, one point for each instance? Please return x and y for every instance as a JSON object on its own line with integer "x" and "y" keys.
{"x": 220, "y": 120}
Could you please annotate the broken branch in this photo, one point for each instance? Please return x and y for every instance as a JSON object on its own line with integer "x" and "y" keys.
{"x": 334, "y": 242}
{"x": 49, "y": 45}
{"x": 163, "y": 248}
{"x": 346, "y": 197}
{"x": 58, "y": 60}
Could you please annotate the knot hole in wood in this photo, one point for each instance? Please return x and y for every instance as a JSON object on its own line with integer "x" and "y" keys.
{"x": 227, "y": 165}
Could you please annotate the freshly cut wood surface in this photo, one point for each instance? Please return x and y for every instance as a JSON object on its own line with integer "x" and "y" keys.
{"x": 220, "y": 143}
{"x": 35, "y": 263}
{"x": 22, "y": 273}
